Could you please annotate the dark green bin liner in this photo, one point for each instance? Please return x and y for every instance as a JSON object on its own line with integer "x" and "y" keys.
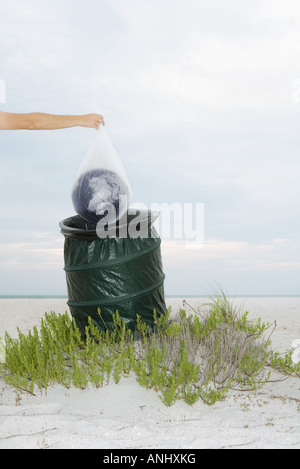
{"x": 124, "y": 274}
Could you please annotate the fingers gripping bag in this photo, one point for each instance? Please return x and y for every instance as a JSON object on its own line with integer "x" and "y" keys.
{"x": 101, "y": 188}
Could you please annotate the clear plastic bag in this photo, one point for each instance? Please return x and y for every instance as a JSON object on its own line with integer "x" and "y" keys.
{"x": 101, "y": 188}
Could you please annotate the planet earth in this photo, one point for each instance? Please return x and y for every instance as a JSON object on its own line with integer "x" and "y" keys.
{"x": 98, "y": 193}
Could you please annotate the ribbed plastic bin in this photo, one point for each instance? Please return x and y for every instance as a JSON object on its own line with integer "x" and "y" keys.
{"x": 124, "y": 274}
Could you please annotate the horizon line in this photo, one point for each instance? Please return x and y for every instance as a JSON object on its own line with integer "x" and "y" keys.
{"x": 240, "y": 295}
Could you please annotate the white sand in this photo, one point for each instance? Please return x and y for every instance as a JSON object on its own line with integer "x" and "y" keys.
{"x": 125, "y": 415}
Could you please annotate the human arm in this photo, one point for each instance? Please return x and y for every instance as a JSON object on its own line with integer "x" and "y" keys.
{"x": 42, "y": 121}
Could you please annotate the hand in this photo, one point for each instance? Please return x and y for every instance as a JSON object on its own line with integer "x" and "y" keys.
{"x": 92, "y": 120}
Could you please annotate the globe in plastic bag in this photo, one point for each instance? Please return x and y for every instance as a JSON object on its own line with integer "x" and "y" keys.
{"x": 101, "y": 188}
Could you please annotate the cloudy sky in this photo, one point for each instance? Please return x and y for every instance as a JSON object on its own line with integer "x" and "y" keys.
{"x": 202, "y": 102}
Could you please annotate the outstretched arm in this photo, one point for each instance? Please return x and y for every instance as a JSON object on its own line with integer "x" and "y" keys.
{"x": 41, "y": 121}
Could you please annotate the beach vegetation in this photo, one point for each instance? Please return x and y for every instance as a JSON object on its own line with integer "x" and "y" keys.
{"x": 189, "y": 357}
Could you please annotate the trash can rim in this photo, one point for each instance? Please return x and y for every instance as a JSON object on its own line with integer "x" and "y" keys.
{"x": 90, "y": 233}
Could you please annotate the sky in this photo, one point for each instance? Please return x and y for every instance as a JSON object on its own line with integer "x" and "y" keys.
{"x": 201, "y": 101}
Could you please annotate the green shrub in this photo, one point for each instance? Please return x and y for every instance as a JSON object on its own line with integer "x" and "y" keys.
{"x": 188, "y": 357}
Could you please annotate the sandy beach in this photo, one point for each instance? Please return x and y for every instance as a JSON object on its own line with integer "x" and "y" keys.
{"x": 127, "y": 416}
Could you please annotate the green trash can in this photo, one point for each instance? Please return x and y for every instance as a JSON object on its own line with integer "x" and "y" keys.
{"x": 116, "y": 273}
